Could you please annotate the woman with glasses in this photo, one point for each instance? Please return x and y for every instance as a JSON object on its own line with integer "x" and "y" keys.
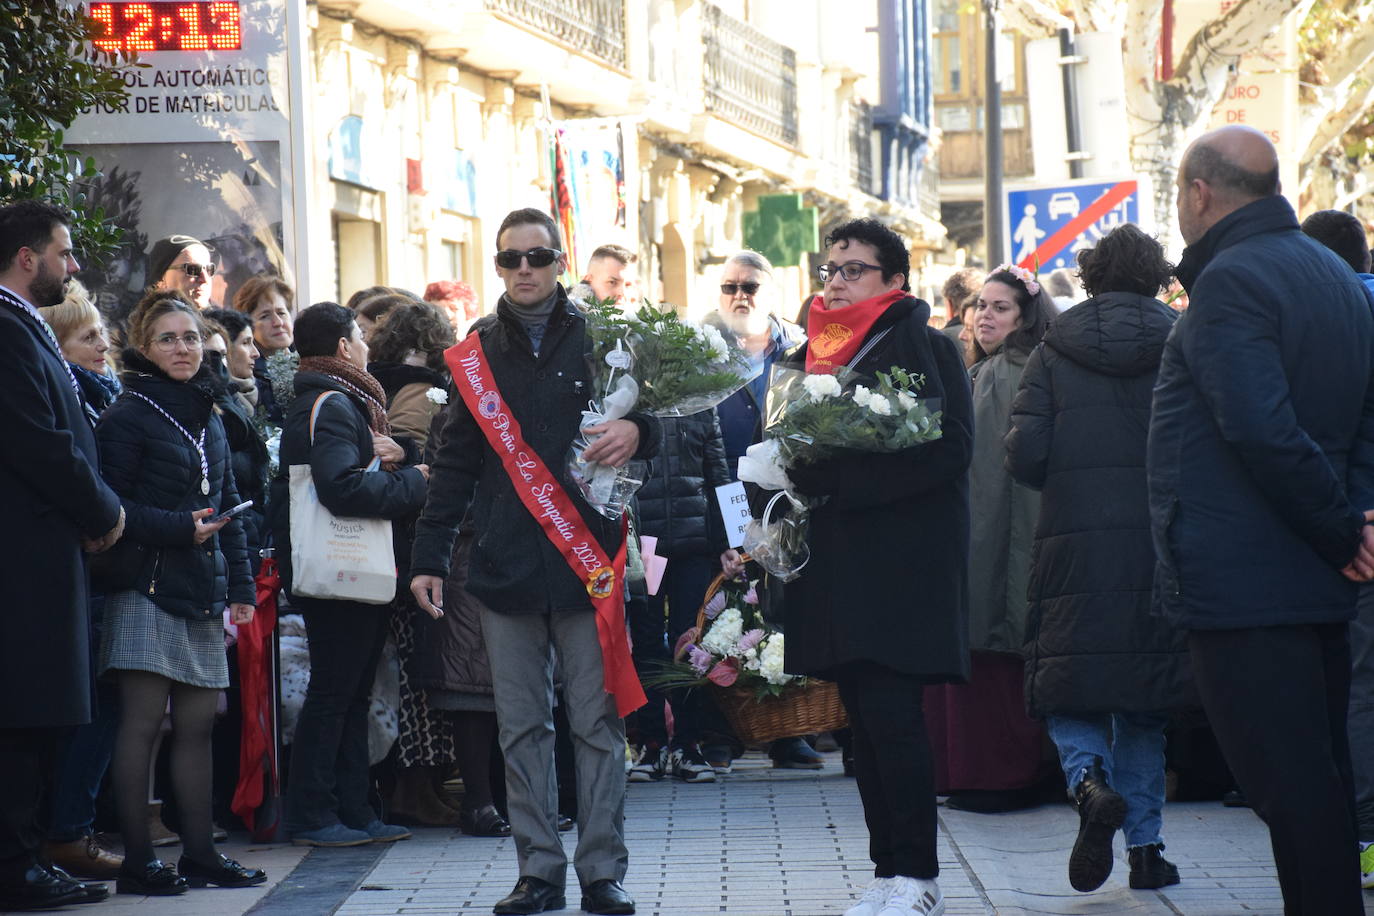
{"x": 268, "y": 303}
{"x": 881, "y": 609}
{"x": 164, "y": 451}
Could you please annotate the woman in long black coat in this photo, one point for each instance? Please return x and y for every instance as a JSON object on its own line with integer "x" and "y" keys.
{"x": 882, "y": 607}
{"x": 1100, "y": 668}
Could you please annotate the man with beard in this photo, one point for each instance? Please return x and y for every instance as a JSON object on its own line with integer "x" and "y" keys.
{"x": 56, "y": 505}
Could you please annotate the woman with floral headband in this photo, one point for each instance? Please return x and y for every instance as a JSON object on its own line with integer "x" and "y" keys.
{"x": 988, "y": 753}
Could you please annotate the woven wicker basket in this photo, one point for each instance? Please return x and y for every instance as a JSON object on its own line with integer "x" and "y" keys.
{"x": 807, "y": 709}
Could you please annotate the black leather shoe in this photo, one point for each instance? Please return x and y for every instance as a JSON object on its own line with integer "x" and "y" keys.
{"x": 1100, "y": 813}
{"x": 225, "y": 873}
{"x": 40, "y": 888}
{"x": 1149, "y": 868}
{"x": 566, "y": 823}
{"x": 485, "y": 821}
{"x": 607, "y": 896}
{"x": 156, "y": 879}
{"x": 95, "y": 891}
{"x": 531, "y": 895}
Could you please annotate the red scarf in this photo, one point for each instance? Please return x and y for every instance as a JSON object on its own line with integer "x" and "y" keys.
{"x": 835, "y": 335}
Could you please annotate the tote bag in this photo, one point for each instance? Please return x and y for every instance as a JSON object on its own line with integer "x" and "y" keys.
{"x": 346, "y": 559}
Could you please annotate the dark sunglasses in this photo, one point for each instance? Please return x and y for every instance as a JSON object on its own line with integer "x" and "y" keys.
{"x": 195, "y": 270}
{"x": 509, "y": 259}
{"x": 748, "y": 289}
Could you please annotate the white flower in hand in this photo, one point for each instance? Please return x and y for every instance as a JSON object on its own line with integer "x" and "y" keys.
{"x": 821, "y": 386}
{"x": 437, "y": 395}
{"x": 862, "y": 396}
{"x": 880, "y": 406}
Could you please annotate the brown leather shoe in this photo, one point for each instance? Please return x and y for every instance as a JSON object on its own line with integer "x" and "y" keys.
{"x": 84, "y": 858}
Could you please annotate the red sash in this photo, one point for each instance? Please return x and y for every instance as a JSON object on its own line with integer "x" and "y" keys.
{"x": 835, "y": 335}
{"x": 551, "y": 507}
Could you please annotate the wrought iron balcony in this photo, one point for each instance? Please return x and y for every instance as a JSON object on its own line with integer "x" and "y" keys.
{"x": 750, "y": 79}
{"x": 861, "y": 146}
{"x": 594, "y": 27}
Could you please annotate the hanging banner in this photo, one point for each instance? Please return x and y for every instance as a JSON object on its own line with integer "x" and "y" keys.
{"x": 589, "y": 187}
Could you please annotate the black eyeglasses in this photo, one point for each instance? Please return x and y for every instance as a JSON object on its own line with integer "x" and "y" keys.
{"x": 748, "y": 289}
{"x": 850, "y": 270}
{"x": 195, "y": 270}
{"x": 509, "y": 259}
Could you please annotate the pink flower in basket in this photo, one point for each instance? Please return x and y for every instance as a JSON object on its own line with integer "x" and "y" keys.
{"x": 750, "y": 640}
{"x": 685, "y": 642}
{"x": 715, "y": 605}
{"x": 725, "y": 673}
{"x": 699, "y": 659}
{"x": 751, "y": 596}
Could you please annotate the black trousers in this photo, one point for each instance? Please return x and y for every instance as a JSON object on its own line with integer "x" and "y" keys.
{"x": 27, "y": 760}
{"x": 329, "y": 778}
{"x": 1277, "y": 700}
{"x": 892, "y": 762}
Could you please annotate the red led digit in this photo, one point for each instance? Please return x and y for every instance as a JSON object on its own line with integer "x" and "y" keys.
{"x": 137, "y": 38}
{"x": 191, "y": 38}
{"x": 103, "y": 13}
{"x": 230, "y": 34}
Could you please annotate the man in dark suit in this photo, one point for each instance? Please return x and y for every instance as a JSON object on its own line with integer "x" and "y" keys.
{"x": 1261, "y": 475}
{"x": 56, "y": 505}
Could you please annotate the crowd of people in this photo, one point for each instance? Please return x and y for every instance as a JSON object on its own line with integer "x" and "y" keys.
{"x": 1131, "y": 513}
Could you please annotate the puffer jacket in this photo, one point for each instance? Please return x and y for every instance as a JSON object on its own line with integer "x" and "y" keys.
{"x": 1078, "y": 429}
{"x": 514, "y": 567}
{"x": 156, "y": 472}
{"x": 677, "y": 503}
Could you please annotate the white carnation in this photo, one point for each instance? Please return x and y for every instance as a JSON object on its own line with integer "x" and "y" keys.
{"x": 821, "y": 386}
{"x": 437, "y": 395}
{"x": 862, "y": 396}
{"x": 906, "y": 400}
{"x": 880, "y": 406}
{"x": 720, "y": 350}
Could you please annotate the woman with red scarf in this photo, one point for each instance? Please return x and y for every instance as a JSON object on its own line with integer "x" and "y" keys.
{"x": 882, "y": 608}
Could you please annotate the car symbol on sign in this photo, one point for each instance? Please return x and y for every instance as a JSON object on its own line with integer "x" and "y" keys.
{"x": 1065, "y": 203}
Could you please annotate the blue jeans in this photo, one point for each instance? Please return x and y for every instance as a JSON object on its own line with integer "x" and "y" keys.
{"x": 1131, "y": 746}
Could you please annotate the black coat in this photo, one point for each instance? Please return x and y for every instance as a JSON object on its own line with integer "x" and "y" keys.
{"x": 1078, "y": 428}
{"x": 514, "y": 567}
{"x": 887, "y": 582}
{"x": 53, "y": 496}
{"x": 1261, "y": 453}
{"x": 338, "y": 458}
{"x": 677, "y": 503}
{"x": 157, "y": 473}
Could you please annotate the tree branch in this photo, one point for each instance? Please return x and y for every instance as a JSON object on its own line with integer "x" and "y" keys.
{"x": 1351, "y": 100}
{"x": 1034, "y": 18}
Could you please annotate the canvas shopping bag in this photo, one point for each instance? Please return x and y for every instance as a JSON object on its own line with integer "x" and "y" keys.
{"x": 348, "y": 559}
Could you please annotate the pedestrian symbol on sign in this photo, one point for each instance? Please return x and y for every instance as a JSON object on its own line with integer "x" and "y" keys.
{"x": 1050, "y": 224}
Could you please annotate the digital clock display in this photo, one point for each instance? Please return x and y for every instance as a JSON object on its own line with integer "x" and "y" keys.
{"x": 193, "y": 25}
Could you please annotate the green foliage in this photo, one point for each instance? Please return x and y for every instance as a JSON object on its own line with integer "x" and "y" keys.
{"x": 49, "y": 74}
{"x": 680, "y": 368}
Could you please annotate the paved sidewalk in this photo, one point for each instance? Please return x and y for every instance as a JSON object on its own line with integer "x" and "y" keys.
{"x": 760, "y": 842}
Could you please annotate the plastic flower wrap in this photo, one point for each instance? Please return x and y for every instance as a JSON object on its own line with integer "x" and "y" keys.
{"x": 737, "y": 648}
{"x": 809, "y": 417}
{"x": 656, "y": 363}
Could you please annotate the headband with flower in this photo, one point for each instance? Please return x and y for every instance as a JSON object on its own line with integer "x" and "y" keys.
{"x": 1025, "y": 276}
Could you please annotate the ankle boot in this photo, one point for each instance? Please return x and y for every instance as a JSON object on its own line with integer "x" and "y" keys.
{"x": 1100, "y": 813}
{"x": 1149, "y": 868}
{"x": 415, "y": 803}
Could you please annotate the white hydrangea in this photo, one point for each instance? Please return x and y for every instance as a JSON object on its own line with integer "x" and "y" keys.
{"x": 821, "y": 386}
{"x": 906, "y": 400}
{"x": 720, "y": 350}
{"x": 437, "y": 395}
{"x": 724, "y": 633}
{"x": 770, "y": 660}
{"x": 880, "y": 406}
{"x": 862, "y": 396}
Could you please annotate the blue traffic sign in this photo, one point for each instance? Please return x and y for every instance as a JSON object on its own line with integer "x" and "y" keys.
{"x": 1046, "y": 226}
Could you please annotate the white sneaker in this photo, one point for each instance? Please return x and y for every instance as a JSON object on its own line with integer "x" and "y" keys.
{"x": 873, "y": 898}
{"x": 914, "y": 897}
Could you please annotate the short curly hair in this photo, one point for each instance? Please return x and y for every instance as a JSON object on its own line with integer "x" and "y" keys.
{"x": 1125, "y": 261}
{"x": 893, "y": 256}
{"x": 417, "y": 326}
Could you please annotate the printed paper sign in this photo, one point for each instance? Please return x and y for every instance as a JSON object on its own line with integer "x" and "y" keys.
{"x": 734, "y": 511}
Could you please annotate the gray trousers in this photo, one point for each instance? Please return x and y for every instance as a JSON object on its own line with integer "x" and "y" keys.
{"x": 521, "y": 648}
{"x": 1361, "y": 717}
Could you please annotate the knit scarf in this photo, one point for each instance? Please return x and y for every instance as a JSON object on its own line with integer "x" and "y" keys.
{"x": 357, "y": 382}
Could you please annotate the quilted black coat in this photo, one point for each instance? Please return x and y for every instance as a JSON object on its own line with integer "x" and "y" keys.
{"x": 156, "y": 472}
{"x": 677, "y": 503}
{"x": 1078, "y": 431}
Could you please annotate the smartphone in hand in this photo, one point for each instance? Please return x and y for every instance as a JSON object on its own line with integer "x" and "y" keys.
{"x": 237, "y": 510}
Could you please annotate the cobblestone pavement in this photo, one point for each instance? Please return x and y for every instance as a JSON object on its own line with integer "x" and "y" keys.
{"x": 762, "y": 842}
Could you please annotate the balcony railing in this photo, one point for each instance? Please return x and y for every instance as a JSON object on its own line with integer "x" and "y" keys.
{"x": 750, "y": 79}
{"x": 594, "y": 27}
{"x": 861, "y": 146}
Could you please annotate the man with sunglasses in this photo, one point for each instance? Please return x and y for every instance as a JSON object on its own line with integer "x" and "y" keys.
{"x": 541, "y": 565}
{"x": 182, "y": 264}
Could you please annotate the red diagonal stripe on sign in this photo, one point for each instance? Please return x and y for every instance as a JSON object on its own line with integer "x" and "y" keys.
{"x": 1074, "y": 227}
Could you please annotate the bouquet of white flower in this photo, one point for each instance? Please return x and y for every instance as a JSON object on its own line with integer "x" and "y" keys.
{"x": 809, "y": 417}
{"x": 654, "y": 362}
